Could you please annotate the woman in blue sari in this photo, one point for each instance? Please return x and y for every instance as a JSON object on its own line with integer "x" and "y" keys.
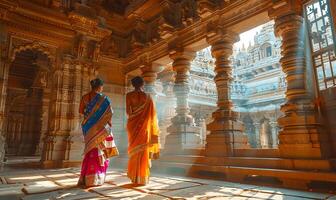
{"x": 99, "y": 141}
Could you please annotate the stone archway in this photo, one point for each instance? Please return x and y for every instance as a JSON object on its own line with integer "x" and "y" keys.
{"x": 27, "y": 100}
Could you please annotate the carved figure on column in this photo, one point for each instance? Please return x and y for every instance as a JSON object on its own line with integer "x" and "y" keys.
{"x": 82, "y": 48}
{"x": 96, "y": 52}
{"x": 257, "y": 129}
{"x": 274, "y": 131}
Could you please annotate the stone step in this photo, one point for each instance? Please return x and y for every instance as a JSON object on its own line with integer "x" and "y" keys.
{"x": 200, "y": 152}
{"x": 257, "y": 162}
{"x": 260, "y": 153}
{"x": 288, "y": 178}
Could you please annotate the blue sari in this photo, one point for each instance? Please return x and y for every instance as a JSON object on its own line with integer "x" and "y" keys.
{"x": 99, "y": 142}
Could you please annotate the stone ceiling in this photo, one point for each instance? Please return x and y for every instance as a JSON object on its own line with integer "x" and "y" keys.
{"x": 131, "y": 32}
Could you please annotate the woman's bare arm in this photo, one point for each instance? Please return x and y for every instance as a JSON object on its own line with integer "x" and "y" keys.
{"x": 127, "y": 104}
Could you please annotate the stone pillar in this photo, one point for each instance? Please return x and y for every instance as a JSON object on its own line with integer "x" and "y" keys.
{"x": 226, "y": 132}
{"x": 301, "y": 134}
{"x": 183, "y": 132}
{"x": 63, "y": 146}
{"x": 54, "y": 147}
{"x": 44, "y": 118}
{"x": 274, "y": 131}
{"x": 75, "y": 141}
{"x": 168, "y": 103}
{"x": 257, "y": 129}
{"x": 4, "y": 69}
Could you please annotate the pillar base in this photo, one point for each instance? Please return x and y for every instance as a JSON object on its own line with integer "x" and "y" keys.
{"x": 62, "y": 151}
{"x": 223, "y": 144}
{"x": 225, "y": 136}
{"x": 304, "y": 145}
{"x": 302, "y": 134}
{"x": 75, "y": 147}
{"x": 182, "y": 137}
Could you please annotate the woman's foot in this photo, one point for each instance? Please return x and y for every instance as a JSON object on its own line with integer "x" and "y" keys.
{"x": 87, "y": 187}
{"x": 138, "y": 184}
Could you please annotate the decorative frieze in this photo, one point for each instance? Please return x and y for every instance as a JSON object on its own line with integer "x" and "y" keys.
{"x": 206, "y": 7}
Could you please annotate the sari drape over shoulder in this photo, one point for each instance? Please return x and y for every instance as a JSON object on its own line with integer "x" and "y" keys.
{"x": 143, "y": 140}
{"x": 99, "y": 141}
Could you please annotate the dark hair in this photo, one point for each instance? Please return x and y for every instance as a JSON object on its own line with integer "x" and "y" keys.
{"x": 137, "y": 82}
{"x": 95, "y": 83}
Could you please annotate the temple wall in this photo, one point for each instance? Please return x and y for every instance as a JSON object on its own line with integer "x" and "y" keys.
{"x": 112, "y": 74}
{"x": 117, "y": 96}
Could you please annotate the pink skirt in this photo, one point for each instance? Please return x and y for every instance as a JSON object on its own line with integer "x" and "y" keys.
{"x": 92, "y": 173}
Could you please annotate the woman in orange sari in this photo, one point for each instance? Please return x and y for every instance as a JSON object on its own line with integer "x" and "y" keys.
{"x": 143, "y": 133}
{"x": 99, "y": 142}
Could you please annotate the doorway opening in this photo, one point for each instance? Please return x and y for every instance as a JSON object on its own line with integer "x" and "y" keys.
{"x": 27, "y": 103}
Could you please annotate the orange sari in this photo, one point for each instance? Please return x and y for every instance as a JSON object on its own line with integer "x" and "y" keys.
{"x": 143, "y": 140}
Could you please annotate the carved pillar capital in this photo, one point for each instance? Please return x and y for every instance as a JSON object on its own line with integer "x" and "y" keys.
{"x": 149, "y": 74}
{"x": 181, "y": 65}
{"x": 181, "y": 53}
{"x": 220, "y": 35}
{"x": 288, "y": 23}
{"x": 167, "y": 78}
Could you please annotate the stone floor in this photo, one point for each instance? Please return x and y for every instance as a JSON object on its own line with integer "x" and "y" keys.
{"x": 36, "y": 184}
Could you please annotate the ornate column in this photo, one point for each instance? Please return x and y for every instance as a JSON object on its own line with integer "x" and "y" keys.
{"x": 168, "y": 104}
{"x": 226, "y": 132}
{"x": 274, "y": 132}
{"x": 4, "y": 70}
{"x": 44, "y": 118}
{"x": 54, "y": 145}
{"x": 301, "y": 134}
{"x": 183, "y": 132}
{"x": 63, "y": 145}
{"x": 257, "y": 129}
{"x": 74, "y": 141}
